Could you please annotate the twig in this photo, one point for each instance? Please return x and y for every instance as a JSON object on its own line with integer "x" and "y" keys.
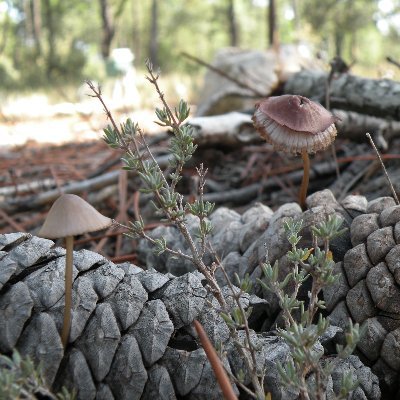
{"x": 216, "y": 364}
{"x": 224, "y": 74}
{"x": 11, "y": 221}
{"x": 90, "y": 185}
{"x": 124, "y": 258}
{"x": 97, "y": 93}
{"x": 350, "y": 183}
{"x": 393, "y": 61}
{"x": 251, "y": 365}
{"x": 153, "y": 80}
{"x": 384, "y": 169}
{"x": 202, "y": 179}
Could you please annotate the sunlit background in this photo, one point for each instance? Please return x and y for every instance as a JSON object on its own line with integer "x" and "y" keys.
{"x": 49, "y": 47}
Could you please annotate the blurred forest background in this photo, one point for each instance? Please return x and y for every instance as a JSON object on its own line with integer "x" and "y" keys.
{"x": 47, "y": 43}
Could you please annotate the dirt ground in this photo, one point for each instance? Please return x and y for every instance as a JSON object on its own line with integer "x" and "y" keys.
{"x": 64, "y": 123}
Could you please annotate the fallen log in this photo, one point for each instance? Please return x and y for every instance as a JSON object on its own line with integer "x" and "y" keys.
{"x": 236, "y": 129}
{"x": 375, "y": 97}
{"x": 230, "y": 129}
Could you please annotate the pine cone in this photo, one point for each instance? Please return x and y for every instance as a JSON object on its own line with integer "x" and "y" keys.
{"x": 131, "y": 335}
{"x": 369, "y": 290}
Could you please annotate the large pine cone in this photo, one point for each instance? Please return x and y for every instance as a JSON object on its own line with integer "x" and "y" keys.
{"x": 369, "y": 290}
{"x": 131, "y": 335}
{"x": 123, "y": 319}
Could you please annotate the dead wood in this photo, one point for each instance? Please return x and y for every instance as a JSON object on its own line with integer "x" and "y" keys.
{"x": 231, "y": 129}
{"x": 88, "y": 185}
{"x": 393, "y": 61}
{"x": 235, "y": 129}
{"x": 251, "y": 192}
{"x": 349, "y": 178}
{"x": 22, "y": 188}
{"x": 222, "y": 73}
{"x": 354, "y": 126}
{"x": 348, "y": 92}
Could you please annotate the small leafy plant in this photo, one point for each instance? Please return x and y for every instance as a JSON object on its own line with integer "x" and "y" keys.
{"x": 302, "y": 333}
{"x": 171, "y": 205}
{"x": 21, "y": 379}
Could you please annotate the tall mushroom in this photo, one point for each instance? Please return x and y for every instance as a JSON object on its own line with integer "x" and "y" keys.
{"x": 69, "y": 216}
{"x": 295, "y": 124}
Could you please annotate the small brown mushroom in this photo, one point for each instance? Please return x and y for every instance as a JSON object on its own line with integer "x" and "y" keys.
{"x": 295, "y": 124}
{"x": 69, "y": 216}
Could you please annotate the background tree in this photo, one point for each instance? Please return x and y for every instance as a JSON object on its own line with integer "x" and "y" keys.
{"x": 233, "y": 25}
{"x": 43, "y": 40}
{"x": 108, "y": 28}
{"x": 272, "y": 25}
{"x": 109, "y": 21}
{"x": 153, "y": 43}
{"x": 339, "y": 22}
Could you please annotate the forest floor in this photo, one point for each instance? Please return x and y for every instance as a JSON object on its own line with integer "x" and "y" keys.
{"x": 45, "y": 154}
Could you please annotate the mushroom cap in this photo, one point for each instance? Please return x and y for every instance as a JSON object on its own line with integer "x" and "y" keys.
{"x": 70, "y": 215}
{"x": 294, "y": 123}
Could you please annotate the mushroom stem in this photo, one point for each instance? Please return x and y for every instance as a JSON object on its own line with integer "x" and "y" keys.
{"x": 69, "y": 244}
{"x": 305, "y": 180}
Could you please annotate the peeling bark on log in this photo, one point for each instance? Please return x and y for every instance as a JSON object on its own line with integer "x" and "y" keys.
{"x": 380, "y": 98}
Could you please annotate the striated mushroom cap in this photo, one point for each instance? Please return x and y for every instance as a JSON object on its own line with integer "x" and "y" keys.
{"x": 293, "y": 123}
{"x": 70, "y": 215}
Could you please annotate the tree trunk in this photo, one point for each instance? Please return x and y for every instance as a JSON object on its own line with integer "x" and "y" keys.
{"x": 37, "y": 25}
{"x": 153, "y": 45}
{"x": 108, "y": 28}
{"x": 339, "y": 38}
{"x": 4, "y": 33}
{"x": 233, "y": 26}
{"x": 51, "y": 38}
{"x": 377, "y": 97}
{"x": 273, "y": 39}
{"x": 27, "y": 20}
{"x": 297, "y": 23}
{"x": 136, "y": 30}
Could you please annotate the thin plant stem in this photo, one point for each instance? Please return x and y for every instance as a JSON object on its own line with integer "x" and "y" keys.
{"x": 153, "y": 80}
{"x": 138, "y": 152}
{"x": 69, "y": 245}
{"x": 174, "y": 122}
{"x": 251, "y": 366}
{"x": 241, "y": 385}
{"x": 97, "y": 93}
{"x": 384, "y": 169}
{"x": 305, "y": 180}
{"x": 150, "y": 154}
{"x": 202, "y": 173}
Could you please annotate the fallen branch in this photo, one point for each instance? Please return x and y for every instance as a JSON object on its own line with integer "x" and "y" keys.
{"x": 348, "y": 92}
{"x": 236, "y": 128}
{"x": 393, "y": 61}
{"x": 21, "y": 188}
{"x": 89, "y": 185}
{"x": 218, "y": 71}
